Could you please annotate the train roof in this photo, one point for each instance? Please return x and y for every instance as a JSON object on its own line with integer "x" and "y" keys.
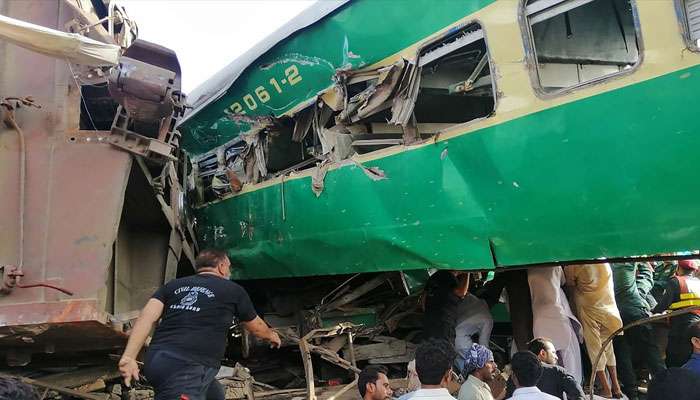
{"x": 216, "y": 86}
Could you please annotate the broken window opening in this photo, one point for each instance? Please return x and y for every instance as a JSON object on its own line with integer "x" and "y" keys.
{"x": 97, "y": 108}
{"x": 690, "y": 22}
{"x": 578, "y": 42}
{"x": 267, "y": 150}
{"x": 456, "y": 84}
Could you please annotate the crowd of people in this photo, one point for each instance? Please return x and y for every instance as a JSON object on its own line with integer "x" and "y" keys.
{"x": 555, "y": 312}
{"x": 548, "y": 326}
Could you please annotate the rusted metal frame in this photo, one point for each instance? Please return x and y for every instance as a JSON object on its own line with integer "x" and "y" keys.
{"x": 59, "y": 389}
{"x": 638, "y": 322}
{"x": 8, "y": 117}
{"x": 134, "y": 143}
{"x": 168, "y": 212}
{"x": 307, "y": 348}
{"x": 308, "y": 369}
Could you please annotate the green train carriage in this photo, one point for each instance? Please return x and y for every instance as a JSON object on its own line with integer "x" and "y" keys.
{"x": 371, "y": 136}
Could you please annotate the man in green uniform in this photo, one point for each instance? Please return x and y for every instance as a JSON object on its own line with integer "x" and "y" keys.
{"x": 632, "y": 282}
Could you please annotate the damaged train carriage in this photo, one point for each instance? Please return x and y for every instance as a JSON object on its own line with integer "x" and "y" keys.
{"x": 91, "y": 221}
{"x": 362, "y": 138}
{"x": 493, "y": 133}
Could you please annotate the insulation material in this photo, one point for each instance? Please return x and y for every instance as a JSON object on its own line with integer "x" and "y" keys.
{"x": 74, "y": 48}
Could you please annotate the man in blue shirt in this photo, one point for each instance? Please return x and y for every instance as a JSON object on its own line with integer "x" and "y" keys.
{"x": 694, "y": 363}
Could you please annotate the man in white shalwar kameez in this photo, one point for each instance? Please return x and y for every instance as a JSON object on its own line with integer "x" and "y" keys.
{"x": 553, "y": 318}
{"x": 473, "y": 316}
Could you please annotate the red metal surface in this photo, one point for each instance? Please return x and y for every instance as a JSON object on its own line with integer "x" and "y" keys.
{"x": 74, "y": 199}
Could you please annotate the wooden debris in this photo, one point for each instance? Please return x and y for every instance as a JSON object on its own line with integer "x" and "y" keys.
{"x": 83, "y": 376}
{"x": 99, "y": 384}
{"x": 58, "y": 389}
{"x": 377, "y": 350}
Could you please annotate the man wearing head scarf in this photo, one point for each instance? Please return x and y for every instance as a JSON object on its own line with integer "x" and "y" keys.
{"x": 477, "y": 364}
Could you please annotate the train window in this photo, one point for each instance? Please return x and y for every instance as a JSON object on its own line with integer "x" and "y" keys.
{"x": 690, "y": 16}
{"x": 577, "y": 42}
{"x": 455, "y": 81}
{"x": 449, "y": 84}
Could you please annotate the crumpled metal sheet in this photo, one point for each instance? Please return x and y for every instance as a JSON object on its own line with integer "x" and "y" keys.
{"x": 406, "y": 96}
{"x": 373, "y": 173}
{"x": 254, "y": 155}
{"x": 336, "y": 142}
{"x": 377, "y": 96}
{"x": 73, "y": 47}
{"x": 318, "y": 177}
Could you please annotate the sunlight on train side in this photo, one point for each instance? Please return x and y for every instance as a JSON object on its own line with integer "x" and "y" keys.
{"x": 576, "y": 42}
{"x": 690, "y": 15}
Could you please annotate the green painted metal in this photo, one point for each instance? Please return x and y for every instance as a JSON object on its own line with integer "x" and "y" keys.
{"x": 610, "y": 175}
{"x": 352, "y": 37}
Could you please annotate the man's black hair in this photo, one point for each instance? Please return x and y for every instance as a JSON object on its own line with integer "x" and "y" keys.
{"x": 694, "y": 331}
{"x": 434, "y": 357}
{"x": 15, "y": 389}
{"x": 440, "y": 281}
{"x": 674, "y": 383}
{"x": 527, "y": 368}
{"x": 369, "y": 375}
{"x": 209, "y": 258}
{"x": 538, "y": 344}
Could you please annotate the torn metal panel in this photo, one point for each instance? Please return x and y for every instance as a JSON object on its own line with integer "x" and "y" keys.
{"x": 318, "y": 177}
{"x": 303, "y": 122}
{"x": 373, "y": 173}
{"x": 382, "y": 86}
{"x": 336, "y": 142}
{"x": 406, "y": 96}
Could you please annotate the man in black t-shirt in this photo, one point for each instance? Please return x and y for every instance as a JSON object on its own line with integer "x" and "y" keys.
{"x": 555, "y": 380}
{"x": 443, "y": 293}
{"x": 195, "y": 314}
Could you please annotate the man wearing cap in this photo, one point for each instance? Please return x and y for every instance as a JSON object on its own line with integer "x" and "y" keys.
{"x": 477, "y": 363}
{"x": 680, "y": 289}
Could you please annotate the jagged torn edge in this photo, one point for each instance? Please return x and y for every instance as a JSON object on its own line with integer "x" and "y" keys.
{"x": 374, "y": 173}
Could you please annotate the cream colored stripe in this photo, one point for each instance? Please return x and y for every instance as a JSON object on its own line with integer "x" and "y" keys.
{"x": 664, "y": 52}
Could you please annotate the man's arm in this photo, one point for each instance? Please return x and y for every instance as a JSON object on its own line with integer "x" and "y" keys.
{"x": 463, "y": 285}
{"x": 673, "y": 290}
{"x": 259, "y": 329}
{"x": 569, "y": 386}
{"x": 149, "y": 316}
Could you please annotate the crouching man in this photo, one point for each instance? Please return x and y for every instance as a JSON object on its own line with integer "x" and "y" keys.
{"x": 195, "y": 314}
